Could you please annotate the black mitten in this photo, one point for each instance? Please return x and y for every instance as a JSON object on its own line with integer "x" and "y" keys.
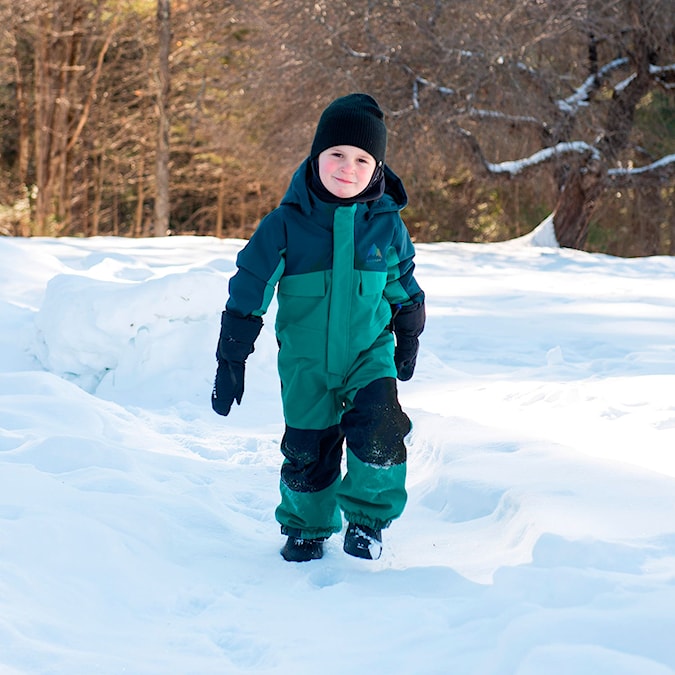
{"x": 228, "y": 386}
{"x": 237, "y": 335}
{"x": 407, "y": 324}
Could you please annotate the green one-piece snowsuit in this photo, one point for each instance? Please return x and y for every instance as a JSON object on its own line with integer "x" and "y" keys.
{"x": 338, "y": 271}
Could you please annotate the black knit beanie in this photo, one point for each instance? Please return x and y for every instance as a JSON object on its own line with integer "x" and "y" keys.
{"x": 355, "y": 119}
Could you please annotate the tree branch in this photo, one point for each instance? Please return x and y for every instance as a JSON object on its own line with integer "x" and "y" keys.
{"x": 516, "y": 167}
{"x": 582, "y": 95}
{"x": 496, "y": 115}
{"x": 664, "y": 75}
{"x": 661, "y": 171}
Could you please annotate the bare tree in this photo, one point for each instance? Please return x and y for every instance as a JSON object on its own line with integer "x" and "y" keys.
{"x": 590, "y": 154}
{"x": 585, "y": 132}
{"x": 536, "y": 89}
{"x": 61, "y": 47}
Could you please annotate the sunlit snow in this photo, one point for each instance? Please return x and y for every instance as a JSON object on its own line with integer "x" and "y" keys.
{"x": 137, "y": 530}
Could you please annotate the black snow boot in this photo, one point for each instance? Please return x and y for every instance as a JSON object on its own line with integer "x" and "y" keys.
{"x": 362, "y": 541}
{"x": 302, "y": 550}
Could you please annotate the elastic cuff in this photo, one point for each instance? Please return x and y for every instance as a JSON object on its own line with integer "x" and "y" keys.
{"x": 320, "y": 535}
{"x": 361, "y": 519}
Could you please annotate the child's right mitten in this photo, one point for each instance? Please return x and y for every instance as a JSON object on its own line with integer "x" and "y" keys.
{"x": 237, "y": 336}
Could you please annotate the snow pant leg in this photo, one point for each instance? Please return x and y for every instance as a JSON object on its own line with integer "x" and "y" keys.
{"x": 373, "y": 489}
{"x": 310, "y": 478}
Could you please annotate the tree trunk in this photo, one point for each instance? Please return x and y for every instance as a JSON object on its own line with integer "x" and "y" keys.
{"x": 99, "y": 165}
{"x": 116, "y": 199}
{"x": 162, "y": 208}
{"x": 220, "y": 210}
{"x": 140, "y": 195}
{"x": 43, "y": 128}
{"x": 66, "y": 105}
{"x": 573, "y": 211}
{"x": 22, "y": 119}
{"x": 579, "y": 190}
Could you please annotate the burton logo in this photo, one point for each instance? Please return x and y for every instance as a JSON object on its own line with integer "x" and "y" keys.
{"x": 374, "y": 255}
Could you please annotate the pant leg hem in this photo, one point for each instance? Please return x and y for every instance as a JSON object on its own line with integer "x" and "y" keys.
{"x": 362, "y": 519}
{"x": 313, "y": 533}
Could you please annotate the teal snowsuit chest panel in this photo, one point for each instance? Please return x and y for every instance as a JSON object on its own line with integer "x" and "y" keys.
{"x": 331, "y": 316}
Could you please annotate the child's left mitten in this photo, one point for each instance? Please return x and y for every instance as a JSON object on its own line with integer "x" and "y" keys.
{"x": 408, "y": 324}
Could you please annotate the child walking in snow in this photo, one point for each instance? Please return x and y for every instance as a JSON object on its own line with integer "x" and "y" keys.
{"x": 349, "y": 316}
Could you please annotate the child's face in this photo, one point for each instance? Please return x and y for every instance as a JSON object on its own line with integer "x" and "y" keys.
{"x": 346, "y": 170}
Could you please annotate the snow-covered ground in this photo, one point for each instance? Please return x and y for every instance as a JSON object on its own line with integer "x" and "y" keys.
{"x": 136, "y": 526}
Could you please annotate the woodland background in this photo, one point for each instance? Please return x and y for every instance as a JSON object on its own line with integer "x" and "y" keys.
{"x": 155, "y": 117}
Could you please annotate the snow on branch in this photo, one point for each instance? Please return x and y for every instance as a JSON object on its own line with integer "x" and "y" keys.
{"x": 657, "y": 70}
{"x": 581, "y": 96}
{"x": 664, "y": 74}
{"x": 504, "y": 117}
{"x": 662, "y": 169}
{"x": 419, "y": 80}
{"x": 438, "y": 87}
{"x": 654, "y": 166}
{"x": 517, "y": 166}
{"x": 660, "y": 73}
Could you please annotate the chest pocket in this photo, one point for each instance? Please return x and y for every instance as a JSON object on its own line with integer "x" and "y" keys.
{"x": 303, "y": 299}
{"x": 312, "y": 284}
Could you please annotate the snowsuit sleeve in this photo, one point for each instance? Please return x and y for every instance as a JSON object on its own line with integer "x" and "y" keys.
{"x": 402, "y": 288}
{"x": 260, "y": 265}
